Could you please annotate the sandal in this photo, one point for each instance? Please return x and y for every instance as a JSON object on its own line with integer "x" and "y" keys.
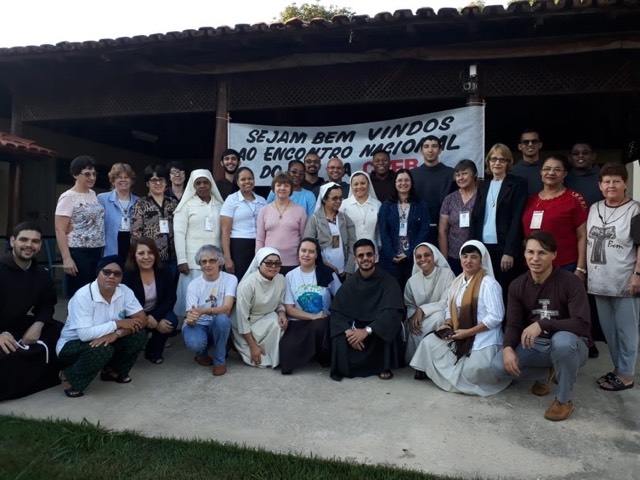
{"x": 69, "y": 391}
{"x": 114, "y": 377}
{"x": 386, "y": 375}
{"x": 615, "y": 385}
{"x": 605, "y": 378}
{"x": 419, "y": 375}
{"x": 154, "y": 360}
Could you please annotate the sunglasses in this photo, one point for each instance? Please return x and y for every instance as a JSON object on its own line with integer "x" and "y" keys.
{"x": 530, "y": 142}
{"x": 498, "y": 160}
{"x": 108, "y": 273}
{"x": 272, "y": 264}
{"x": 365, "y": 255}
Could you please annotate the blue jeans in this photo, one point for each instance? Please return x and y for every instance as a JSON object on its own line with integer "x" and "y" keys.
{"x": 155, "y": 345}
{"x": 565, "y": 351}
{"x": 199, "y": 338}
{"x": 619, "y": 321}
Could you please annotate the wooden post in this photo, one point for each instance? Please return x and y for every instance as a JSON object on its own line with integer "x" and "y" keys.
{"x": 15, "y": 170}
{"x": 221, "y": 134}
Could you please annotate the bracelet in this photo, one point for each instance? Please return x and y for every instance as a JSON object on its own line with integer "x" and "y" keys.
{"x": 584, "y": 270}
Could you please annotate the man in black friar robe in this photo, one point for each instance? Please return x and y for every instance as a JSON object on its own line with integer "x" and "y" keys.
{"x": 366, "y": 316}
{"x": 28, "y": 331}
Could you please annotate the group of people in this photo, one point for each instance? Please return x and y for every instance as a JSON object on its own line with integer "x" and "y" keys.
{"x": 350, "y": 274}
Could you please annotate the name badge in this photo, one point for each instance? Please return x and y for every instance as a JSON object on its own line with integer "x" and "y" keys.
{"x": 464, "y": 219}
{"x": 125, "y": 224}
{"x": 208, "y": 224}
{"x": 164, "y": 225}
{"x": 402, "y": 232}
{"x": 536, "y": 220}
{"x": 335, "y": 241}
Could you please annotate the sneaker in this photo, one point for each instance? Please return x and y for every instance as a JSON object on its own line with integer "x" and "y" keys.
{"x": 558, "y": 411}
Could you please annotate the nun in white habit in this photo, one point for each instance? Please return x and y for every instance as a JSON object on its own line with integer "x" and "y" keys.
{"x": 196, "y": 222}
{"x": 362, "y": 207}
{"x": 425, "y": 295}
{"x": 260, "y": 317}
{"x": 460, "y": 362}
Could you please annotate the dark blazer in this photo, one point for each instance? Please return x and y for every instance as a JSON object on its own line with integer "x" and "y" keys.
{"x": 165, "y": 289}
{"x": 389, "y": 224}
{"x": 511, "y": 201}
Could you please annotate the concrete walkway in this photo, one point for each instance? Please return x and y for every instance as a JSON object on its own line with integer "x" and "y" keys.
{"x": 401, "y": 422}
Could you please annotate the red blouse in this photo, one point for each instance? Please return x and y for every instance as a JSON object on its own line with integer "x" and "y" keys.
{"x": 562, "y": 216}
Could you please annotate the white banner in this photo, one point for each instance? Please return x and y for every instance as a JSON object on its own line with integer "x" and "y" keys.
{"x": 267, "y": 149}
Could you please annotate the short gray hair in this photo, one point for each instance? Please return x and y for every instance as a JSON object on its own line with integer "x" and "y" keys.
{"x": 210, "y": 249}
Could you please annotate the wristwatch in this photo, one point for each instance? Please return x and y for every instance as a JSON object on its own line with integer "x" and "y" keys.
{"x": 118, "y": 333}
{"x": 368, "y": 330}
{"x": 636, "y": 273}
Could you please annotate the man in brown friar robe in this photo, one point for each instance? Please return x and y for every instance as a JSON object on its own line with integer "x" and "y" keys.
{"x": 366, "y": 316}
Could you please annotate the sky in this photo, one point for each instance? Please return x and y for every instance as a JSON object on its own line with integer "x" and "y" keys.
{"x": 38, "y": 22}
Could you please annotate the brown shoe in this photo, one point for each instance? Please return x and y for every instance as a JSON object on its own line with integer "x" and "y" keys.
{"x": 204, "y": 360}
{"x": 219, "y": 370}
{"x": 541, "y": 389}
{"x": 558, "y": 411}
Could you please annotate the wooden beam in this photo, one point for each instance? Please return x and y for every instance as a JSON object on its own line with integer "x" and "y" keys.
{"x": 221, "y": 134}
{"x": 15, "y": 170}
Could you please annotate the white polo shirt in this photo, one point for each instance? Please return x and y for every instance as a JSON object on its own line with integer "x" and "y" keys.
{"x": 244, "y": 214}
{"x": 91, "y": 316}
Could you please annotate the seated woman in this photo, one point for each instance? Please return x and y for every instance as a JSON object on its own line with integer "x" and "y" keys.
{"x": 260, "y": 314}
{"x": 104, "y": 332}
{"x": 425, "y": 296}
{"x": 334, "y": 231}
{"x": 307, "y": 300}
{"x": 209, "y": 302}
{"x": 154, "y": 288}
{"x": 458, "y": 356}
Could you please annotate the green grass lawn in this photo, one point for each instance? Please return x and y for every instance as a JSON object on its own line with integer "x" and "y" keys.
{"x": 35, "y": 449}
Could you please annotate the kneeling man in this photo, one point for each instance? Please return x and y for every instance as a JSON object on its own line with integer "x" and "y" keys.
{"x": 29, "y": 332}
{"x": 366, "y": 316}
{"x": 104, "y": 332}
{"x": 547, "y": 326}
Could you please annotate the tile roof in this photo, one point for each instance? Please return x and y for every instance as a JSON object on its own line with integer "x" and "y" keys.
{"x": 516, "y": 9}
{"x": 23, "y": 145}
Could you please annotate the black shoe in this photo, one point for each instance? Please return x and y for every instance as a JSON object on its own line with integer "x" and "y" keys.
{"x": 594, "y": 352}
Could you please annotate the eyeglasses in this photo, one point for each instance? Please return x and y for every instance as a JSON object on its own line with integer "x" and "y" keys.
{"x": 157, "y": 181}
{"x": 335, "y": 199}
{"x": 365, "y": 255}
{"x": 499, "y": 160}
{"x": 210, "y": 261}
{"x": 534, "y": 141}
{"x": 89, "y": 174}
{"x": 272, "y": 264}
{"x": 108, "y": 273}
{"x": 308, "y": 160}
{"x": 176, "y": 173}
{"x": 552, "y": 170}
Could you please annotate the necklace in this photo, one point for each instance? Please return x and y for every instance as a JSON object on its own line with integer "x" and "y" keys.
{"x": 494, "y": 194}
{"x": 363, "y": 208}
{"x": 607, "y": 219}
{"x": 403, "y": 211}
{"x": 124, "y": 206}
{"x": 284, "y": 210}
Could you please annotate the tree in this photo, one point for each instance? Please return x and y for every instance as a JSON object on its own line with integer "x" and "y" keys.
{"x": 309, "y": 11}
